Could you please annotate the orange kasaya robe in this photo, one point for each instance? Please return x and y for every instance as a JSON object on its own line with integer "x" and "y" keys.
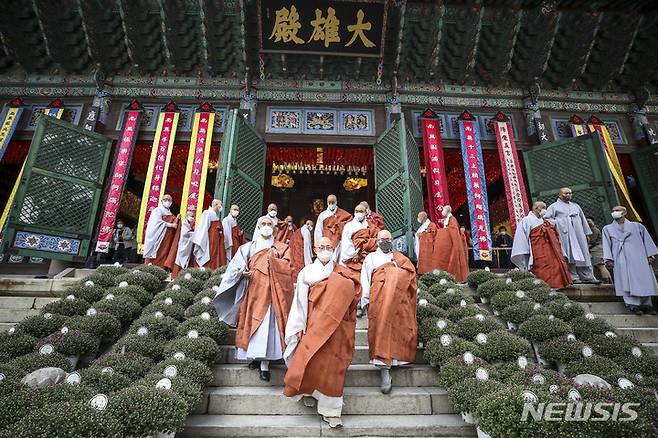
{"x": 216, "y": 245}
{"x": 377, "y": 219}
{"x": 548, "y": 260}
{"x": 325, "y": 351}
{"x": 284, "y": 231}
{"x": 332, "y": 226}
{"x": 164, "y": 250}
{"x": 297, "y": 253}
{"x": 449, "y": 253}
{"x": 270, "y": 283}
{"x": 426, "y": 249}
{"x": 170, "y": 263}
{"x": 392, "y": 329}
{"x": 365, "y": 241}
{"x": 237, "y": 237}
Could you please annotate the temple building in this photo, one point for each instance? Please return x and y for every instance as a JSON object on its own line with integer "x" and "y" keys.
{"x": 484, "y": 105}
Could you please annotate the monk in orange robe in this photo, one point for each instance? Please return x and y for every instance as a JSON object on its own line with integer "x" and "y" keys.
{"x": 255, "y": 294}
{"x": 536, "y": 248}
{"x": 159, "y": 234}
{"x": 331, "y": 222}
{"x": 373, "y": 217}
{"x": 388, "y": 281}
{"x": 180, "y": 255}
{"x": 286, "y": 230}
{"x": 208, "y": 238}
{"x": 301, "y": 248}
{"x": 233, "y": 235}
{"x": 424, "y": 243}
{"x": 320, "y": 334}
{"x": 449, "y": 253}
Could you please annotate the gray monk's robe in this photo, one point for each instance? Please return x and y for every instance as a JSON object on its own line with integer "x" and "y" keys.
{"x": 629, "y": 245}
{"x": 573, "y": 229}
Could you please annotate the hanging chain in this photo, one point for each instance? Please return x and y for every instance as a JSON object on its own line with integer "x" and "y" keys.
{"x": 380, "y": 71}
{"x": 261, "y": 67}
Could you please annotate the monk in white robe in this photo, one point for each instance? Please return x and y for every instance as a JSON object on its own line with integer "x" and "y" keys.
{"x": 181, "y": 250}
{"x": 208, "y": 238}
{"x": 388, "y": 282}
{"x": 159, "y": 233}
{"x": 233, "y": 235}
{"x": 373, "y": 217}
{"x": 573, "y": 229}
{"x": 277, "y": 224}
{"x": 424, "y": 243}
{"x": 629, "y": 250}
{"x": 320, "y": 334}
{"x": 301, "y": 248}
{"x": 536, "y": 248}
{"x": 331, "y": 222}
{"x": 255, "y": 295}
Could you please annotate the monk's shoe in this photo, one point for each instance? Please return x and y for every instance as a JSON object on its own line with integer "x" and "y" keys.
{"x": 334, "y": 422}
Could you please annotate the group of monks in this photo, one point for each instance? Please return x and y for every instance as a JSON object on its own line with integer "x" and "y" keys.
{"x": 287, "y": 305}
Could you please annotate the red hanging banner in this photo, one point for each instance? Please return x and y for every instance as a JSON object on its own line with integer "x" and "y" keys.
{"x": 121, "y": 165}
{"x": 517, "y": 200}
{"x": 437, "y": 183}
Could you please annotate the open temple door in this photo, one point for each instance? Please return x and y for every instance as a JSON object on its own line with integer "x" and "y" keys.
{"x": 241, "y": 172}
{"x": 55, "y": 207}
{"x": 578, "y": 163}
{"x": 398, "y": 187}
{"x": 645, "y": 162}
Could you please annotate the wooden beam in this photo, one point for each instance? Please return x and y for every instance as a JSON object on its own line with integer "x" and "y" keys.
{"x": 589, "y": 49}
{"x": 517, "y": 27}
{"x": 433, "y": 61}
{"x": 552, "y": 43}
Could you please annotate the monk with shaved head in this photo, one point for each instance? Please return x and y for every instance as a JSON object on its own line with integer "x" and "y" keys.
{"x": 159, "y": 234}
{"x": 331, "y": 222}
{"x": 233, "y": 235}
{"x": 424, "y": 243}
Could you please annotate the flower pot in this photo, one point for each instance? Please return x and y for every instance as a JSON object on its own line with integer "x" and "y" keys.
{"x": 512, "y": 326}
{"x": 561, "y": 367}
{"x": 535, "y": 347}
{"x": 481, "y": 433}
{"x": 164, "y": 435}
{"x": 73, "y": 360}
{"x": 484, "y": 300}
{"x": 467, "y": 417}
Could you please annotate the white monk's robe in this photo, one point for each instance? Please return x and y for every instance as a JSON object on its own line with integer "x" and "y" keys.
{"x": 319, "y": 223}
{"x": 521, "y": 248}
{"x": 228, "y": 223}
{"x": 266, "y": 341}
{"x": 156, "y": 228}
{"x": 420, "y": 230}
{"x": 203, "y": 250}
{"x": 347, "y": 250}
{"x": 185, "y": 245}
{"x": 629, "y": 245}
{"x": 275, "y": 221}
{"x": 573, "y": 229}
{"x": 308, "y": 246}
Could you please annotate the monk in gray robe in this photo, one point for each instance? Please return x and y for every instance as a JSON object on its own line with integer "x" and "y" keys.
{"x": 630, "y": 252}
{"x": 573, "y": 230}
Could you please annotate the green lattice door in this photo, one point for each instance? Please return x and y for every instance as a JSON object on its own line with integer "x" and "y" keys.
{"x": 55, "y": 206}
{"x": 645, "y": 162}
{"x": 578, "y": 163}
{"x": 398, "y": 187}
{"x": 241, "y": 172}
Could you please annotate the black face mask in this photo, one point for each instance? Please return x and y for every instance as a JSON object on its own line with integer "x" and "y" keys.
{"x": 385, "y": 246}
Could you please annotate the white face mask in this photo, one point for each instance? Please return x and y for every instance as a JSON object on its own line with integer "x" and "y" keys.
{"x": 272, "y": 213}
{"x": 617, "y": 214}
{"x": 219, "y": 210}
{"x": 235, "y": 213}
{"x": 325, "y": 255}
{"x": 119, "y": 226}
{"x": 542, "y": 213}
{"x": 360, "y": 216}
{"x": 167, "y": 204}
{"x": 502, "y": 233}
{"x": 332, "y": 207}
{"x": 266, "y": 231}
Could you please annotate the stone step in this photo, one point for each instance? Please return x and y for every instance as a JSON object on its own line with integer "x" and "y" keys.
{"x": 357, "y": 375}
{"x": 362, "y": 323}
{"x": 632, "y": 321}
{"x": 442, "y": 425}
{"x": 227, "y": 355}
{"x": 16, "y": 315}
{"x": 5, "y": 326}
{"x": 13, "y": 303}
{"x": 653, "y": 346}
{"x": 590, "y": 292}
{"x": 34, "y": 287}
{"x": 249, "y": 400}
{"x": 640, "y": 334}
{"x": 361, "y": 338}
{"x": 605, "y": 307}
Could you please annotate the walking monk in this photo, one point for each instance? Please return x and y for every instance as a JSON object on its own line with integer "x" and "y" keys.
{"x": 536, "y": 248}
{"x": 301, "y": 248}
{"x": 286, "y": 229}
{"x": 388, "y": 280}
{"x": 331, "y": 222}
{"x": 255, "y": 294}
{"x": 181, "y": 250}
{"x": 159, "y": 234}
{"x": 449, "y": 253}
{"x": 208, "y": 238}
{"x": 424, "y": 243}
{"x": 233, "y": 235}
{"x": 320, "y": 334}
{"x": 374, "y": 217}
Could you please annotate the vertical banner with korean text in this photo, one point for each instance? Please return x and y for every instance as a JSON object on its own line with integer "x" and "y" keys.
{"x": 517, "y": 200}
{"x": 124, "y": 154}
{"x": 437, "y": 183}
{"x": 8, "y": 121}
{"x": 197, "y": 161}
{"x": 476, "y": 186}
{"x": 156, "y": 176}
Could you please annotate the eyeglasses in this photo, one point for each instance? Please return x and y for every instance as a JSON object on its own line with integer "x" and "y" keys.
{"x": 386, "y": 240}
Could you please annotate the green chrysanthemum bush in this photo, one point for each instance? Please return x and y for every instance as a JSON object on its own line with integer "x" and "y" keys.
{"x": 466, "y": 395}
{"x": 130, "y": 364}
{"x": 33, "y": 361}
{"x": 561, "y": 350}
{"x": 490, "y": 288}
{"x": 428, "y": 310}
{"x": 143, "y": 411}
{"x": 60, "y": 394}
{"x": 143, "y": 345}
{"x": 137, "y": 292}
{"x": 645, "y": 365}
{"x": 584, "y": 327}
{"x": 455, "y": 370}
{"x": 202, "y": 348}
{"x": 182, "y": 387}
{"x": 102, "y": 325}
{"x": 210, "y": 293}
{"x": 529, "y": 284}
{"x": 540, "y": 328}
{"x": 540, "y": 295}
{"x": 597, "y": 365}
{"x": 72, "y": 343}
{"x": 191, "y": 369}
{"x": 521, "y": 312}
{"x": 17, "y": 344}
{"x": 214, "y": 280}
{"x": 104, "y": 380}
{"x": 476, "y": 278}
{"x": 124, "y": 307}
{"x": 155, "y": 271}
{"x": 15, "y": 406}
{"x": 211, "y": 327}
{"x": 111, "y": 270}
{"x": 503, "y": 346}
{"x": 469, "y": 327}
{"x": 612, "y": 346}
{"x": 182, "y": 296}
{"x": 432, "y": 327}
{"x": 101, "y": 278}
{"x": 431, "y": 278}
{"x": 506, "y": 370}
{"x": 197, "y": 309}
{"x": 456, "y": 313}
{"x": 9, "y": 387}
{"x": 517, "y": 275}
{"x": 508, "y": 298}
{"x": 138, "y": 278}
{"x": 499, "y": 414}
{"x": 199, "y": 273}
{"x": 171, "y": 310}
{"x": 536, "y": 376}
{"x": 189, "y": 282}
{"x": 565, "y": 310}
{"x": 11, "y": 372}
{"x": 442, "y": 287}
{"x": 66, "y": 307}
{"x": 162, "y": 328}
{"x": 448, "y": 299}
{"x": 86, "y": 290}
{"x": 437, "y": 353}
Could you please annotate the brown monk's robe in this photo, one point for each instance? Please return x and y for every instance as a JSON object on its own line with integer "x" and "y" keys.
{"x": 376, "y": 219}
{"x": 548, "y": 260}
{"x": 296, "y": 253}
{"x": 449, "y": 253}
{"x": 237, "y": 237}
{"x": 164, "y": 250}
{"x": 216, "y": 246}
{"x": 366, "y": 242}
{"x": 426, "y": 249}
{"x": 270, "y": 283}
{"x": 332, "y": 227}
{"x": 283, "y": 232}
{"x": 170, "y": 263}
{"x": 392, "y": 329}
{"x": 325, "y": 352}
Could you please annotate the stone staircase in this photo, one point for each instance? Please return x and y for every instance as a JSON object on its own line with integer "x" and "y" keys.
{"x": 239, "y": 404}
